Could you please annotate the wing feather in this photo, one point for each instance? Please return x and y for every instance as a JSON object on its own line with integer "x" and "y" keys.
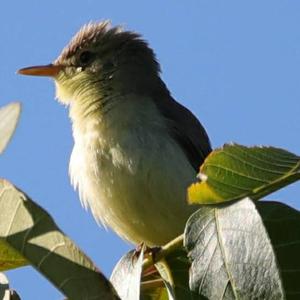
{"x": 186, "y": 129}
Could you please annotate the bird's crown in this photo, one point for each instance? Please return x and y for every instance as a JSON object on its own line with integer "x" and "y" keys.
{"x": 105, "y": 39}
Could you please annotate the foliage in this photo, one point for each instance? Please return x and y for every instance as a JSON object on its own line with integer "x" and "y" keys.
{"x": 233, "y": 246}
{"x": 234, "y": 172}
{"x": 9, "y": 117}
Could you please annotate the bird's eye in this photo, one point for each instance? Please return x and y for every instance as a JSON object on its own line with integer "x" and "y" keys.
{"x": 85, "y": 57}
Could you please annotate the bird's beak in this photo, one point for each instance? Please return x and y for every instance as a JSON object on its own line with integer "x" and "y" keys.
{"x": 50, "y": 70}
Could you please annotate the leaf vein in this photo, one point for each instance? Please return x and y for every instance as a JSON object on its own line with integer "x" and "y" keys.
{"x": 254, "y": 165}
{"x": 236, "y": 172}
{"x": 49, "y": 253}
{"x": 12, "y": 218}
{"x": 257, "y": 157}
{"x": 222, "y": 248}
{"x": 221, "y": 186}
{"x": 286, "y": 244}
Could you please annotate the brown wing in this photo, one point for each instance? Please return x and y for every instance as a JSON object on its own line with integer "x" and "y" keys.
{"x": 186, "y": 130}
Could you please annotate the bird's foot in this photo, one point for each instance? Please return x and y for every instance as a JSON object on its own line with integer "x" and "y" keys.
{"x": 149, "y": 252}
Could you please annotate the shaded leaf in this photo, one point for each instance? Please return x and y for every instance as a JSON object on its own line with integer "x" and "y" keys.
{"x": 9, "y": 116}
{"x": 126, "y": 276}
{"x": 5, "y": 292}
{"x": 4, "y": 287}
{"x": 14, "y": 295}
{"x": 29, "y": 229}
{"x": 232, "y": 255}
{"x": 154, "y": 293}
{"x": 235, "y": 172}
{"x": 152, "y": 284}
{"x": 179, "y": 266}
{"x": 168, "y": 278}
{"x": 166, "y": 274}
{"x": 154, "y": 289}
{"x": 283, "y": 226}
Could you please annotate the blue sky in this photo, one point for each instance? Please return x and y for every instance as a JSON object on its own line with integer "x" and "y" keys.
{"x": 235, "y": 64}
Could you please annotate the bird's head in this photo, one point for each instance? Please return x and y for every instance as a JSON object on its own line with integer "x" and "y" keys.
{"x": 101, "y": 61}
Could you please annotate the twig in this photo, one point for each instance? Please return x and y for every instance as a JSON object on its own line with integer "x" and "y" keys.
{"x": 163, "y": 252}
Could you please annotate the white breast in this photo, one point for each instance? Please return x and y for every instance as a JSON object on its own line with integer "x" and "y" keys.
{"x": 131, "y": 173}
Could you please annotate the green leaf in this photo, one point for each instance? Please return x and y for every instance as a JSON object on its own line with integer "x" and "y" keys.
{"x": 9, "y": 116}
{"x": 9, "y": 257}
{"x": 152, "y": 284}
{"x": 177, "y": 282}
{"x": 30, "y": 230}
{"x": 235, "y": 172}
{"x": 171, "y": 279}
{"x": 126, "y": 276}
{"x": 154, "y": 293}
{"x": 4, "y": 287}
{"x": 232, "y": 254}
{"x": 14, "y": 295}
{"x": 5, "y": 292}
{"x": 283, "y": 226}
{"x": 165, "y": 272}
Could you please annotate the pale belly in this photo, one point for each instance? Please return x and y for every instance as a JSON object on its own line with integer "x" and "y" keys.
{"x": 138, "y": 190}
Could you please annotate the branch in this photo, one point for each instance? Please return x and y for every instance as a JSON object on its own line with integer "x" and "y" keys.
{"x": 163, "y": 252}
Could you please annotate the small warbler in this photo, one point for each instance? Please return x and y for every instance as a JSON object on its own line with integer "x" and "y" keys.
{"x": 136, "y": 149}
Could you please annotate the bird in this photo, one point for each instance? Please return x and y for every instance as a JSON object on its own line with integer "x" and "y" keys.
{"x": 136, "y": 149}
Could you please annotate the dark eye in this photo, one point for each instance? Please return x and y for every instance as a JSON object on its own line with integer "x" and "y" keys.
{"x": 85, "y": 57}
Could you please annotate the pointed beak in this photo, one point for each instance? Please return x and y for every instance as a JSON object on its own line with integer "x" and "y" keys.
{"x": 46, "y": 70}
